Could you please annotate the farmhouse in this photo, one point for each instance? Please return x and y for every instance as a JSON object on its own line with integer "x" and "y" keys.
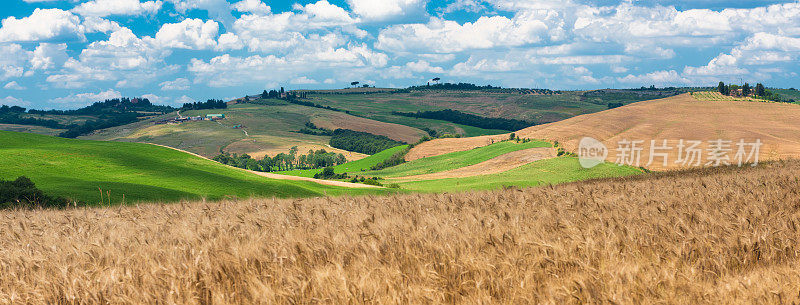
{"x": 215, "y": 117}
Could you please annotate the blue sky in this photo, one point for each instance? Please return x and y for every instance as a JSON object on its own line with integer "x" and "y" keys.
{"x": 70, "y": 53}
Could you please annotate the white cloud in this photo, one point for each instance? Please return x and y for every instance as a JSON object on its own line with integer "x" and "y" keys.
{"x": 659, "y": 78}
{"x": 83, "y": 99}
{"x": 102, "y": 8}
{"x": 191, "y": 34}
{"x": 252, "y": 6}
{"x": 177, "y": 84}
{"x": 387, "y": 9}
{"x": 229, "y": 41}
{"x": 474, "y": 66}
{"x": 13, "y": 86}
{"x": 49, "y": 56}
{"x": 323, "y": 13}
{"x": 408, "y": 70}
{"x": 445, "y": 36}
{"x": 13, "y": 101}
{"x": 13, "y": 60}
{"x": 42, "y": 25}
{"x": 270, "y": 33}
{"x": 155, "y": 99}
{"x": 619, "y": 69}
{"x": 123, "y": 58}
{"x": 303, "y": 80}
{"x": 219, "y": 10}
{"x": 757, "y": 50}
{"x": 228, "y": 71}
{"x": 184, "y": 99}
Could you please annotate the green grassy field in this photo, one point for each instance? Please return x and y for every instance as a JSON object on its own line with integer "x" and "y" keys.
{"x": 80, "y": 170}
{"x": 350, "y": 167}
{"x": 542, "y": 172}
{"x": 454, "y": 160}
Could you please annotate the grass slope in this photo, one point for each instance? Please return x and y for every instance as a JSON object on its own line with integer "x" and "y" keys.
{"x": 543, "y": 172}
{"x": 79, "y": 169}
{"x": 350, "y": 167}
{"x": 454, "y": 160}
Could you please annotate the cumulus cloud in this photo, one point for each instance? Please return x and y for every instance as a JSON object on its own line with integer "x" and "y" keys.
{"x": 102, "y": 8}
{"x": 476, "y": 65}
{"x": 303, "y": 80}
{"x": 659, "y": 78}
{"x": 49, "y": 56}
{"x": 191, "y": 34}
{"x": 252, "y": 6}
{"x": 42, "y": 25}
{"x": 408, "y": 70}
{"x": 13, "y": 101}
{"x": 124, "y": 58}
{"x": 219, "y": 10}
{"x": 13, "y": 86}
{"x": 13, "y": 60}
{"x": 179, "y": 84}
{"x": 445, "y": 36}
{"x": 83, "y": 99}
{"x": 387, "y": 9}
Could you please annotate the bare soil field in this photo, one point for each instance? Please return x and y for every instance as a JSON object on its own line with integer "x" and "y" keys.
{"x": 393, "y": 131}
{"x": 710, "y": 236}
{"x": 681, "y": 117}
{"x": 499, "y": 164}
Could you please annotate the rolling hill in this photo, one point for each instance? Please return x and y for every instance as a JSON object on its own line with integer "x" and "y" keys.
{"x": 672, "y": 119}
{"x": 82, "y": 170}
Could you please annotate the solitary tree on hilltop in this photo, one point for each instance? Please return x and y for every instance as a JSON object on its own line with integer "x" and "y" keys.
{"x": 436, "y": 80}
{"x": 354, "y": 84}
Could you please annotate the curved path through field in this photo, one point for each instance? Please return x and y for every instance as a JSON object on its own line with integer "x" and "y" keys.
{"x": 496, "y": 165}
{"x": 283, "y": 177}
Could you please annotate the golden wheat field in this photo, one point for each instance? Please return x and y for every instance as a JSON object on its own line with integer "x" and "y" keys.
{"x": 711, "y": 236}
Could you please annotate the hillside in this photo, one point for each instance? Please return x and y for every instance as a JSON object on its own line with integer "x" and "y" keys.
{"x": 719, "y": 236}
{"x": 81, "y": 170}
{"x": 674, "y": 118}
{"x": 499, "y": 165}
{"x": 270, "y": 127}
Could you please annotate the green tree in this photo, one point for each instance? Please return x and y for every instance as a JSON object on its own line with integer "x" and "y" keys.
{"x": 746, "y": 89}
{"x": 721, "y": 87}
{"x": 760, "y": 91}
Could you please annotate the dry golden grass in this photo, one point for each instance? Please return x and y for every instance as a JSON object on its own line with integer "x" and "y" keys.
{"x": 777, "y": 125}
{"x": 393, "y": 131}
{"x": 715, "y": 236}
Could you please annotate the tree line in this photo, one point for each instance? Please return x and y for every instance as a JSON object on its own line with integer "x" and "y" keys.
{"x": 759, "y": 91}
{"x": 283, "y": 161}
{"x": 210, "y": 104}
{"x": 108, "y": 113}
{"x": 459, "y": 117}
{"x": 362, "y": 142}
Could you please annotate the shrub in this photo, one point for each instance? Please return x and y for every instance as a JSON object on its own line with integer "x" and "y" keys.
{"x": 23, "y": 193}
